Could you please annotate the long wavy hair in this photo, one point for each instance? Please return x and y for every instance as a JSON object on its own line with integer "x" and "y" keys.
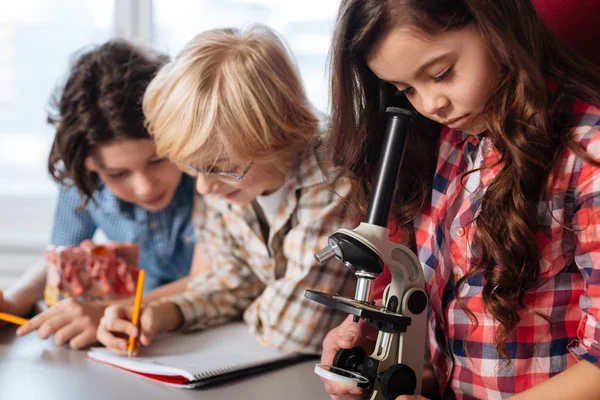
{"x": 100, "y": 101}
{"x": 520, "y": 125}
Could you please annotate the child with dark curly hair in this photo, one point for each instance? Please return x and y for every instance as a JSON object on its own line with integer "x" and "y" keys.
{"x": 111, "y": 179}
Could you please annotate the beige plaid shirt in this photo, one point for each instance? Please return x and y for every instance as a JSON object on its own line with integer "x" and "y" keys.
{"x": 265, "y": 283}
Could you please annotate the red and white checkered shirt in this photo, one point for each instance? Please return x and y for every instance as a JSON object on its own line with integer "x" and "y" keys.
{"x": 265, "y": 282}
{"x": 569, "y": 238}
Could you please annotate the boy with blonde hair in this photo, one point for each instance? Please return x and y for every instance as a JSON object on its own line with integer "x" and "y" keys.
{"x": 231, "y": 110}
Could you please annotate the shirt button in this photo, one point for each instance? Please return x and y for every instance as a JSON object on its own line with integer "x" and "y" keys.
{"x": 154, "y": 225}
{"x": 456, "y": 277}
{"x": 460, "y": 231}
{"x": 441, "y": 325}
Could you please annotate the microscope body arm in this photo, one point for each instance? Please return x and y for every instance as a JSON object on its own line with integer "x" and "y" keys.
{"x": 405, "y": 295}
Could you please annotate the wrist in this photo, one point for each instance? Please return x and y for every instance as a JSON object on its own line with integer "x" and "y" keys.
{"x": 17, "y": 303}
{"x": 170, "y": 318}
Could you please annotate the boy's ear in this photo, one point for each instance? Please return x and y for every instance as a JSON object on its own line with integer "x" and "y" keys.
{"x": 90, "y": 164}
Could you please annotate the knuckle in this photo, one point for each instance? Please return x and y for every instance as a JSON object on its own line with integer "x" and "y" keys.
{"x": 87, "y": 320}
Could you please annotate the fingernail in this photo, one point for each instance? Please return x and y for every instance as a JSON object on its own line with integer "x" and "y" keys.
{"x": 355, "y": 391}
{"x": 122, "y": 345}
{"x": 19, "y": 332}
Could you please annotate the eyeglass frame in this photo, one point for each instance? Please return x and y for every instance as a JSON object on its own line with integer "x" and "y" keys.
{"x": 229, "y": 175}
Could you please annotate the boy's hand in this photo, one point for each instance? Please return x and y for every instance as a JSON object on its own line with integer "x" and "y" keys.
{"x": 70, "y": 320}
{"x": 116, "y": 327}
{"x": 346, "y": 336}
{"x": 3, "y": 309}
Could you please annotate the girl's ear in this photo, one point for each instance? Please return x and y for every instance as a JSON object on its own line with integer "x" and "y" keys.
{"x": 90, "y": 164}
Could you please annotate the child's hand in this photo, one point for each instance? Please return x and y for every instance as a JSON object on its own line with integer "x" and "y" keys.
{"x": 116, "y": 327}
{"x": 2, "y": 309}
{"x": 70, "y": 320}
{"x": 346, "y": 336}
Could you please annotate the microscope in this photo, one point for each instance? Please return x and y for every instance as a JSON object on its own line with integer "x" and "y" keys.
{"x": 395, "y": 366}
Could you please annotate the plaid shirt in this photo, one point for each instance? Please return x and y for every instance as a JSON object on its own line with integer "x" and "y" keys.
{"x": 265, "y": 282}
{"x": 569, "y": 238}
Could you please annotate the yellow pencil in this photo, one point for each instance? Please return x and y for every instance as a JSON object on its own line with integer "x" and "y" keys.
{"x": 137, "y": 305}
{"x": 13, "y": 319}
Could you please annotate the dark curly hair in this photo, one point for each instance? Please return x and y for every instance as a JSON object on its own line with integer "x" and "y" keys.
{"x": 100, "y": 102}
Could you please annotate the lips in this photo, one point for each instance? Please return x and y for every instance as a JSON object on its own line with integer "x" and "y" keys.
{"x": 230, "y": 195}
{"x": 456, "y": 122}
{"x": 155, "y": 200}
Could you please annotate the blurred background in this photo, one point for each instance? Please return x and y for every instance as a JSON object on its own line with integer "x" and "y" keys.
{"x": 37, "y": 38}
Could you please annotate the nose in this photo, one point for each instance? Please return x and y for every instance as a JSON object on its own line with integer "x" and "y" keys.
{"x": 206, "y": 184}
{"x": 144, "y": 186}
{"x": 434, "y": 102}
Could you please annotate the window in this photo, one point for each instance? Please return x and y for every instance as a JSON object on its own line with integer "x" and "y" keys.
{"x": 306, "y": 26}
{"x": 36, "y": 39}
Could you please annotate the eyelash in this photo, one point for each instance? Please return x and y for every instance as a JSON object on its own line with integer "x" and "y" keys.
{"x": 436, "y": 79}
{"x": 158, "y": 161}
{"x": 122, "y": 175}
{"x": 442, "y": 76}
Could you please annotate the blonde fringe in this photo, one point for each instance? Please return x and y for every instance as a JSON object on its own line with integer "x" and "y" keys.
{"x": 230, "y": 92}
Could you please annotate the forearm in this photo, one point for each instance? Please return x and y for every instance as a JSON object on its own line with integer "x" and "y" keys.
{"x": 170, "y": 314}
{"x": 22, "y": 295}
{"x": 170, "y": 289}
{"x": 579, "y": 382}
{"x": 214, "y": 299}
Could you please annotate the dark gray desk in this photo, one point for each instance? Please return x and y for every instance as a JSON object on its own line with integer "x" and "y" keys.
{"x": 34, "y": 369}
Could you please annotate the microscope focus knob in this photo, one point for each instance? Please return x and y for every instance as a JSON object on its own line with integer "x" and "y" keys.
{"x": 332, "y": 250}
{"x": 349, "y": 359}
{"x": 399, "y": 379}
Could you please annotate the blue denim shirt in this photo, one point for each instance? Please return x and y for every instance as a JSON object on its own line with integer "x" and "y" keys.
{"x": 166, "y": 237}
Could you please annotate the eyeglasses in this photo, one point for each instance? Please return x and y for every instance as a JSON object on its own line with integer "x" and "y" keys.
{"x": 230, "y": 176}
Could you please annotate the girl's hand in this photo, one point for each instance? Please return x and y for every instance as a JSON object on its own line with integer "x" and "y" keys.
{"x": 116, "y": 327}
{"x": 70, "y": 321}
{"x": 346, "y": 336}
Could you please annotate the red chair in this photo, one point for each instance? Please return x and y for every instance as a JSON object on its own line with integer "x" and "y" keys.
{"x": 575, "y": 22}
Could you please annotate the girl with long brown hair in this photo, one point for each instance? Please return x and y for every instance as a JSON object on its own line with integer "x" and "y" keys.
{"x": 499, "y": 197}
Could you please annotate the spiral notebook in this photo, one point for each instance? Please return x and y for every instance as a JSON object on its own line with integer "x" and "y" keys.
{"x": 201, "y": 359}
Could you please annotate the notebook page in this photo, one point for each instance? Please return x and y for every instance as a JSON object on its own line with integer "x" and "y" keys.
{"x": 198, "y": 354}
